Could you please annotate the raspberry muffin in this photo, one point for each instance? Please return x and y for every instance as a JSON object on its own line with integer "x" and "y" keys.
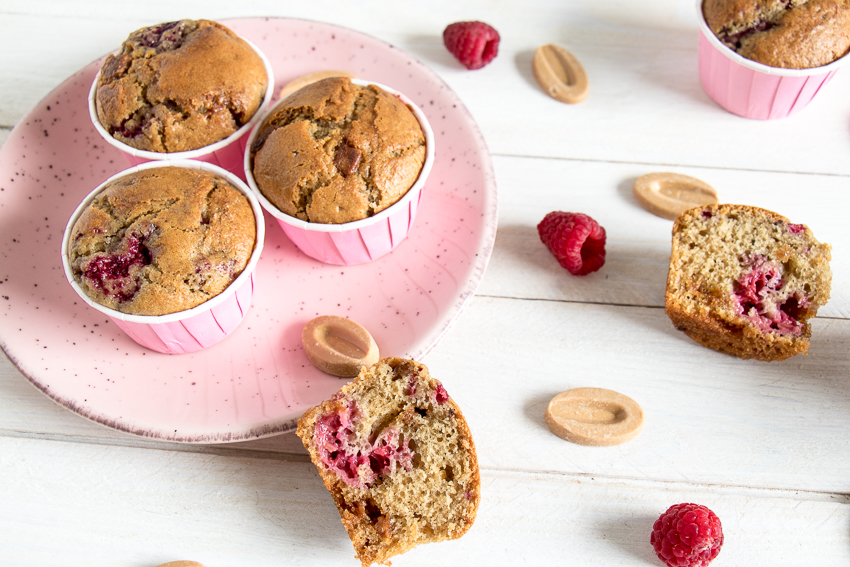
{"x": 746, "y": 281}
{"x": 336, "y": 152}
{"x": 179, "y": 86}
{"x": 790, "y": 34}
{"x": 161, "y": 240}
{"x": 397, "y": 456}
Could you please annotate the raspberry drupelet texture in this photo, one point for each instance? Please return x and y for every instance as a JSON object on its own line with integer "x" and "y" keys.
{"x": 474, "y": 44}
{"x": 575, "y": 239}
{"x": 687, "y": 535}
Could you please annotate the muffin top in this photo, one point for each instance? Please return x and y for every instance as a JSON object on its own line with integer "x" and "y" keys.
{"x": 179, "y": 86}
{"x": 162, "y": 240}
{"x": 335, "y": 152}
{"x": 792, "y": 34}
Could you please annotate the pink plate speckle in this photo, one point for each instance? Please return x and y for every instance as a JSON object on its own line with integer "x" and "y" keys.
{"x": 256, "y": 382}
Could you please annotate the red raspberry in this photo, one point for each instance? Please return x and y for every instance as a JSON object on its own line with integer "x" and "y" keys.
{"x": 576, "y": 240}
{"x": 687, "y": 535}
{"x": 473, "y": 43}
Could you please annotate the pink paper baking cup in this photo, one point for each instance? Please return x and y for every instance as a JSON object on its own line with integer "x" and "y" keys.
{"x": 203, "y": 325}
{"x": 360, "y": 241}
{"x": 226, "y": 153}
{"x": 751, "y": 89}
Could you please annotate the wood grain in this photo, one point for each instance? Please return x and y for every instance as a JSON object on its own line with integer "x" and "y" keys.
{"x": 764, "y": 445}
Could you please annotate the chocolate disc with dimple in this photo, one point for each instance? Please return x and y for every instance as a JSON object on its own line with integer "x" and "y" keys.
{"x": 668, "y": 195}
{"x": 338, "y": 346}
{"x": 560, "y": 74}
{"x": 594, "y": 416}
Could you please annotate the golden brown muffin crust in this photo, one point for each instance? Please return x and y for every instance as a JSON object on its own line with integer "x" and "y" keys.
{"x": 180, "y": 86}
{"x": 795, "y": 34}
{"x": 162, "y": 240}
{"x": 336, "y": 152}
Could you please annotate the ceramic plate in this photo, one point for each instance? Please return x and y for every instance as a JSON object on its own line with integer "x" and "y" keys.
{"x": 257, "y": 382}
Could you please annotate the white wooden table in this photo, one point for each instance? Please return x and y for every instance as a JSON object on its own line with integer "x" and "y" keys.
{"x": 764, "y": 445}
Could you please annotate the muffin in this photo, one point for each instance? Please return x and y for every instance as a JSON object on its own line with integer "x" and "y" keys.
{"x": 179, "y": 86}
{"x": 161, "y": 240}
{"x": 336, "y": 152}
{"x": 397, "y": 456}
{"x": 795, "y": 34}
{"x": 746, "y": 281}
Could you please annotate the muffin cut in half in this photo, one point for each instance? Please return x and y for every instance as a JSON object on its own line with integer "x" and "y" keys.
{"x": 746, "y": 281}
{"x": 398, "y": 458}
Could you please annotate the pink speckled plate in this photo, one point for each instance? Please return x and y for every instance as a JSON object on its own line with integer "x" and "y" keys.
{"x": 256, "y": 382}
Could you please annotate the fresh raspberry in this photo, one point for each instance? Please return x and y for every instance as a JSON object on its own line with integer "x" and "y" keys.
{"x": 687, "y": 535}
{"x": 576, "y": 240}
{"x": 473, "y": 43}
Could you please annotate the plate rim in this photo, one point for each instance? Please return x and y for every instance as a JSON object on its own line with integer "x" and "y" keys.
{"x": 454, "y": 310}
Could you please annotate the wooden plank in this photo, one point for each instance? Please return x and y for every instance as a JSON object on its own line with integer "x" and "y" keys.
{"x": 638, "y": 243}
{"x": 711, "y": 418}
{"x": 646, "y": 103}
{"x": 92, "y": 505}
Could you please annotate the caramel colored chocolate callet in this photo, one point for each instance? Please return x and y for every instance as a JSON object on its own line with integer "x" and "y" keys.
{"x": 338, "y": 346}
{"x": 668, "y": 195}
{"x": 594, "y": 416}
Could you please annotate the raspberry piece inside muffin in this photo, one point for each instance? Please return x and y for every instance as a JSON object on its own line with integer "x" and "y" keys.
{"x": 165, "y": 36}
{"x": 762, "y": 298}
{"x": 358, "y": 462}
{"x": 111, "y": 274}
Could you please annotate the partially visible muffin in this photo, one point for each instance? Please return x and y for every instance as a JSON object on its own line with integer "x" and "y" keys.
{"x": 162, "y": 240}
{"x": 746, "y": 281}
{"x": 179, "y": 86}
{"x": 792, "y": 34}
{"x": 397, "y": 456}
{"x": 336, "y": 152}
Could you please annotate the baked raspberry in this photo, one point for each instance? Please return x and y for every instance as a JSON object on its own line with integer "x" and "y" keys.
{"x": 687, "y": 535}
{"x": 576, "y": 240}
{"x": 440, "y": 394}
{"x": 758, "y": 293}
{"x": 359, "y": 463}
{"x": 112, "y": 275}
{"x": 473, "y": 43}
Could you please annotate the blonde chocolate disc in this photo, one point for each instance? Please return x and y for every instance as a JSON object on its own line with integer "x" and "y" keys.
{"x": 560, "y": 74}
{"x": 338, "y": 346}
{"x": 594, "y": 416}
{"x": 668, "y": 195}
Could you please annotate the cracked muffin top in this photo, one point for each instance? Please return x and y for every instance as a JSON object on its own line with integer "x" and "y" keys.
{"x": 336, "y": 152}
{"x": 162, "y": 240}
{"x": 791, "y": 34}
{"x": 179, "y": 86}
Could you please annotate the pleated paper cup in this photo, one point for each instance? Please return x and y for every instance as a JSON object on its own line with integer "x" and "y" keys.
{"x": 203, "y": 325}
{"x": 751, "y": 89}
{"x": 226, "y": 153}
{"x": 359, "y": 241}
